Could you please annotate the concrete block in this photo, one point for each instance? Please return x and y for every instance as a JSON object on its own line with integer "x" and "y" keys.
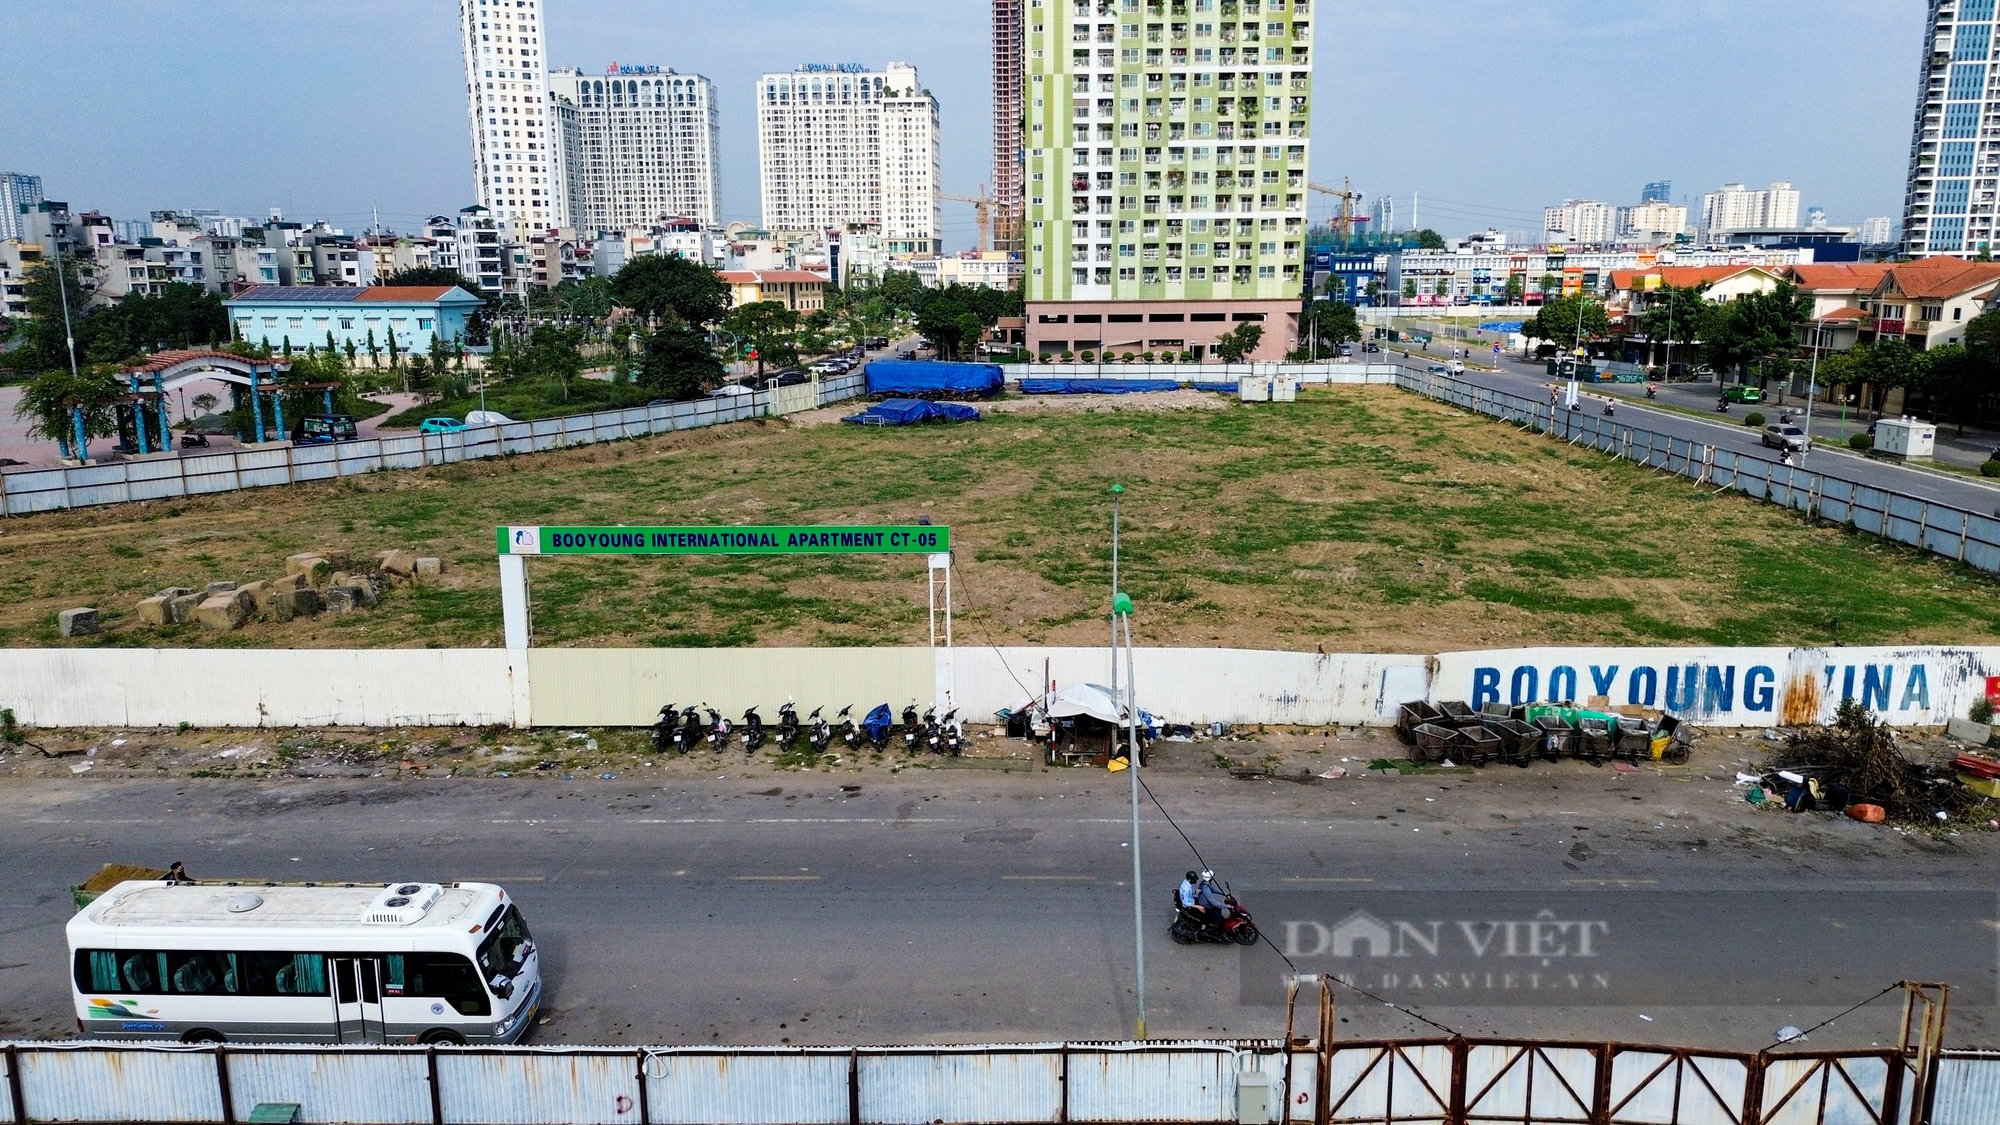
{"x": 290, "y": 582}
{"x": 344, "y": 598}
{"x": 221, "y": 613}
{"x": 258, "y": 594}
{"x": 156, "y": 610}
{"x": 183, "y": 607}
{"x": 371, "y": 589}
{"x": 172, "y": 592}
{"x": 1965, "y": 730}
{"x": 288, "y": 603}
{"x": 429, "y": 567}
{"x": 76, "y": 622}
{"x": 215, "y": 588}
{"x": 403, "y": 564}
{"x": 303, "y": 563}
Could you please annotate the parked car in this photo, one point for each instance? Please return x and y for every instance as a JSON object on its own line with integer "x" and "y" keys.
{"x": 730, "y": 390}
{"x": 1784, "y": 436}
{"x": 1371, "y": 346}
{"x": 323, "y": 429}
{"x": 441, "y": 426}
{"x": 877, "y": 342}
{"x": 786, "y": 379}
{"x": 487, "y": 418}
{"x": 1742, "y": 392}
{"x": 907, "y": 353}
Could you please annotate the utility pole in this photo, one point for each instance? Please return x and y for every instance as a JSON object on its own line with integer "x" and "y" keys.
{"x": 1117, "y": 491}
{"x": 1121, "y": 604}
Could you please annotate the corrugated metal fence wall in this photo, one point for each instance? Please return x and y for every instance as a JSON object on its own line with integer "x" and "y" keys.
{"x": 1969, "y": 537}
{"x": 1423, "y": 1082}
{"x": 1340, "y": 373}
{"x": 162, "y": 478}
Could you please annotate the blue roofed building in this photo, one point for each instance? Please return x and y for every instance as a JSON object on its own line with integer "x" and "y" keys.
{"x": 304, "y": 316}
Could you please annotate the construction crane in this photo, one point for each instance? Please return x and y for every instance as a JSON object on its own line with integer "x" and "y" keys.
{"x": 1348, "y": 198}
{"x": 982, "y": 212}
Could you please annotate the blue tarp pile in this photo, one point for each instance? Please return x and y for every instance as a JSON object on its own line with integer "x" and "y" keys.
{"x": 911, "y": 412}
{"x": 919, "y": 378}
{"x": 1217, "y": 388}
{"x": 1097, "y": 386}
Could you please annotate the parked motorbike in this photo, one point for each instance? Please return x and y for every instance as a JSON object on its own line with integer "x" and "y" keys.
{"x": 878, "y": 724}
{"x": 194, "y": 441}
{"x": 850, "y": 735}
{"x": 954, "y": 735}
{"x": 753, "y": 731}
{"x": 718, "y": 728}
{"x": 788, "y": 724}
{"x": 910, "y": 725}
{"x": 821, "y": 733}
{"x": 667, "y": 729}
{"x": 689, "y": 736}
{"x": 933, "y": 738}
{"x": 1194, "y": 926}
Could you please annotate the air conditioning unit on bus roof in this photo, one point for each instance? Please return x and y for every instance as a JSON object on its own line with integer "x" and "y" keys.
{"x": 401, "y": 904}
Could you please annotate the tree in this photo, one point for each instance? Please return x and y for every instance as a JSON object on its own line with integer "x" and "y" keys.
{"x": 1550, "y": 286}
{"x": 590, "y": 298}
{"x": 1516, "y": 289}
{"x": 943, "y": 320}
{"x": 678, "y": 364}
{"x": 1409, "y": 287}
{"x": 1428, "y": 239}
{"x": 1327, "y": 325}
{"x": 51, "y": 401}
{"x": 1675, "y": 315}
{"x": 1442, "y": 288}
{"x": 661, "y": 286}
{"x": 769, "y": 327}
{"x": 374, "y": 351}
{"x": 1979, "y": 377}
{"x": 1890, "y": 363}
{"x": 552, "y": 353}
{"x": 1757, "y": 329}
{"x": 1557, "y": 321}
{"x": 1234, "y": 345}
{"x": 430, "y": 276}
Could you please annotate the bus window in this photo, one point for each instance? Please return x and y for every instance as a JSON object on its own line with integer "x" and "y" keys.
{"x": 97, "y": 971}
{"x": 439, "y": 976}
{"x": 194, "y": 972}
{"x": 504, "y": 951}
{"x": 138, "y": 972}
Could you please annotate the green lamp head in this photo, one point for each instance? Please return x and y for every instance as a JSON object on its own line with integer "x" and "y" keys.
{"x": 1121, "y": 602}
{"x": 1117, "y": 489}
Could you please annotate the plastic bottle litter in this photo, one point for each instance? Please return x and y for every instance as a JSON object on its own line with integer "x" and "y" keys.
{"x": 1790, "y": 1034}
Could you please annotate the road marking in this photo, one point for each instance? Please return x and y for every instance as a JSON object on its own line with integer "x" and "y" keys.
{"x": 1614, "y": 882}
{"x": 1049, "y": 878}
{"x": 776, "y": 878}
{"x": 1326, "y": 879}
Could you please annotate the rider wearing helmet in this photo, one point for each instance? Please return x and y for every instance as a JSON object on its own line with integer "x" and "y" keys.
{"x": 1211, "y": 897}
{"x": 1187, "y": 894}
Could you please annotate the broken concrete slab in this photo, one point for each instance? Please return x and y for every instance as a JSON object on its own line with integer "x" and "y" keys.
{"x": 156, "y": 610}
{"x": 214, "y": 588}
{"x": 344, "y": 598}
{"x": 183, "y": 607}
{"x": 289, "y": 603}
{"x": 172, "y": 592}
{"x": 81, "y": 622}
{"x": 290, "y": 582}
{"x": 1965, "y": 730}
{"x": 303, "y": 563}
{"x": 430, "y": 567}
{"x": 400, "y": 563}
{"x": 222, "y": 613}
{"x": 258, "y": 594}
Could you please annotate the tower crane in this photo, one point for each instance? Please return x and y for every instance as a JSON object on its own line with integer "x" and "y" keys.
{"x": 982, "y": 212}
{"x": 1348, "y": 198}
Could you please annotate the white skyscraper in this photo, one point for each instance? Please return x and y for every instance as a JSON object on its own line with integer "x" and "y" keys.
{"x": 1875, "y": 231}
{"x": 514, "y": 161}
{"x": 1580, "y": 220}
{"x": 645, "y": 145}
{"x": 1733, "y": 207}
{"x": 840, "y": 144}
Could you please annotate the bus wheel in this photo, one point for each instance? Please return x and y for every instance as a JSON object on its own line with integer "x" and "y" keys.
{"x": 443, "y": 1039}
{"x": 202, "y": 1035}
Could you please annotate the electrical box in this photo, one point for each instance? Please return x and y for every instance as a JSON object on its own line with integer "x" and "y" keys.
{"x": 1906, "y": 438}
{"x": 1266, "y": 388}
{"x": 1253, "y": 1098}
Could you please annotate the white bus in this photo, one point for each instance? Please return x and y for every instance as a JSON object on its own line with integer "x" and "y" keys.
{"x": 342, "y": 963}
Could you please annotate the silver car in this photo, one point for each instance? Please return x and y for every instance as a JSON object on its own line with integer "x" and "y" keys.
{"x": 1786, "y": 437}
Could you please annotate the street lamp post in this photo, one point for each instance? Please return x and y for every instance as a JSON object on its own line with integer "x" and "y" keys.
{"x": 1812, "y": 383}
{"x": 1121, "y": 606}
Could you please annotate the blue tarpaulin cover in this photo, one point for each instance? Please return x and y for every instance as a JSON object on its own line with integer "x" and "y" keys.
{"x": 1217, "y": 388}
{"x": 911, "y": 411}
{"x": 1096, "y": 386}
{"x": 878, "y": 723}
{"x": 932, "y": 378}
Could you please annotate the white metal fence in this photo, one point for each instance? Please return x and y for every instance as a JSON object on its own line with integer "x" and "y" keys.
{"x": 1965, "y": 536}
{"x": 172, "y": 476}
{"x": 1350, "y": 373}
{"x": 1424, "y": 1082}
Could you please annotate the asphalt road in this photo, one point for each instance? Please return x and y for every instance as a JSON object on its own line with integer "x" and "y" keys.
{"x": 970, "y": 905}
{"x": 1728, "y": 432}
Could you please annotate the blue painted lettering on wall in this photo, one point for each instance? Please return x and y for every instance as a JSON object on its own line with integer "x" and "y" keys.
{"x": 1698, "y": 689}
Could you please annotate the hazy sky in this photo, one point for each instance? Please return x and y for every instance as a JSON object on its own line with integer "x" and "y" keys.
{"x": 1488, "y": 110}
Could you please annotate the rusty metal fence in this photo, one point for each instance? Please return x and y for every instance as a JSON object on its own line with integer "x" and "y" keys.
{"x": 1406, "y": 1082}
{"x": 1964, "y": 536}
{"x": 172, "y": 476}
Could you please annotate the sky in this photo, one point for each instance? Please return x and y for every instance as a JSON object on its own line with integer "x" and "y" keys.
{"x": 1483, "y": 111}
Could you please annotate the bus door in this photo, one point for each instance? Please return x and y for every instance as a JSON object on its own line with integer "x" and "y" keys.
{"x": 357, "y": 999}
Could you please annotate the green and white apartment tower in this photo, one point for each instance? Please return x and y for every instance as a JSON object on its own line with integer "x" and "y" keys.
{"x": 1166, "y": 146}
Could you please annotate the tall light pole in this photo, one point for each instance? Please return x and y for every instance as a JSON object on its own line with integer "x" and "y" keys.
{"x": 1117, "y": 491}
{"x": 1812, "y": 382}
{"x": 1121, "y": 605}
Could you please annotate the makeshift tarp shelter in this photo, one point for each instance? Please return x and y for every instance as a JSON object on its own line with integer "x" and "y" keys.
{"x": 1087, "y": 721}
{"x": 912, "y": 411}
{"x": 1097, "y": 386}
{"x": 1094, "y": 700}
{"x": 933, "y": 379}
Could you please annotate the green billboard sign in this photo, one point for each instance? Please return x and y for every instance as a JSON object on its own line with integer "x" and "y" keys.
{"x": 886, "y": 539}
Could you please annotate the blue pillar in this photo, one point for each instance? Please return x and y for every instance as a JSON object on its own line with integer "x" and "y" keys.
{"x": 278, "y": 411}
{"x": 256, "y": 407}
{"x": 82, "y": 442}
{"x": 139, "y": 417}
{"x": 328, "y": 399}
{"x": 166, "y": 420}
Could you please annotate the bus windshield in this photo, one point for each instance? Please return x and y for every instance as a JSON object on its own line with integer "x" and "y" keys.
{"x": 507, "y": 948}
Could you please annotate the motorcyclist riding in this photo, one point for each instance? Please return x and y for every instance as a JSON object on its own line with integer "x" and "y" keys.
{"x": 1211, "y": 897}
{"x": 1189, "y": 894}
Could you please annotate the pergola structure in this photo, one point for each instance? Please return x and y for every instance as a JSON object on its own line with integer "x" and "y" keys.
{"x": 171, "y": 370}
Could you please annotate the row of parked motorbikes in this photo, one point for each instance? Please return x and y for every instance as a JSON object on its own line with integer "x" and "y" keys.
{"x": 682, "y": 729}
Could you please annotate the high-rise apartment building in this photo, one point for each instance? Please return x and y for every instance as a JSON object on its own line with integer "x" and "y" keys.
{"x": 1580, "y": 220}
{"x": 641, "y": 145}
{"x": 1876, "y": 231}
{"x": 1167, "y": 153}
{"x": 843, "y": 144}
{"x": 1954, "y": 96}
{"x": 18, "y": 192}
{"x": 1009, "y": 212}
{"x": 514, "y": 162}
{"x": 1733, "y": 207}
{"x": 1652, "y": 222}
{"x": 1659, "y": 191}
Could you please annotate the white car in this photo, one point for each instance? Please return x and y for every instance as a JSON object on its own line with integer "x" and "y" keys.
{"x": 731, "y": 390}
{"x": 487, "y": 418}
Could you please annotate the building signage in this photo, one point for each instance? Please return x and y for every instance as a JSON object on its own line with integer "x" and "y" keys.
{"x": 614, "y": 68}
{"x": 835, "y": 68}
{"x": 873, "y": 540}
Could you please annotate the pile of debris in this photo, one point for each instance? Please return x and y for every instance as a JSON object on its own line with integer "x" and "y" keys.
{"x": 1857, "y": 763}
{"x": 311, "y": 583}
{"x": 1453, "y": 732}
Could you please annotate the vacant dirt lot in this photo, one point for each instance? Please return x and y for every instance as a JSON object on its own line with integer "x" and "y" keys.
{"x": 1356, "y": 519}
